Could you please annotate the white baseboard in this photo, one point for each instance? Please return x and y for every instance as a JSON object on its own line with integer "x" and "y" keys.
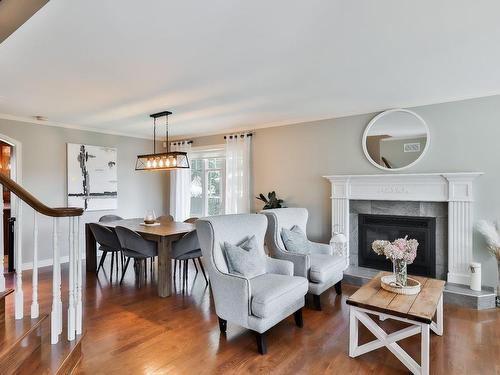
{"x": 46, "y": 262}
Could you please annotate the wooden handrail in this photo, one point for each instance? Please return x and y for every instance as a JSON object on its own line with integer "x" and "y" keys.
{"x": 28, "y": 198}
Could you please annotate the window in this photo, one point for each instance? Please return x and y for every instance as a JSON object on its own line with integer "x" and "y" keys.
{"x": 207, "y": 185}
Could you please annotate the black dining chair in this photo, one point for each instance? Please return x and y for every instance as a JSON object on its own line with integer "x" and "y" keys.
{"x": 134, "y": 246}
{"x": 185, "y": 249}
{"x": 108, "y": 243}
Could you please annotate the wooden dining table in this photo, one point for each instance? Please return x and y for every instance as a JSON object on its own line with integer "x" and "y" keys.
{"x": 163, "y": 234}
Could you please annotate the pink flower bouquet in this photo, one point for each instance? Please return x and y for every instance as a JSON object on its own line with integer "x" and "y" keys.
{"x": 400, "y": 249}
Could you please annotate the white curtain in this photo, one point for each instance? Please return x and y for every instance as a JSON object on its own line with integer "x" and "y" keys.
{"x": 238, "y": 173}
{"x": 180, "y": 186}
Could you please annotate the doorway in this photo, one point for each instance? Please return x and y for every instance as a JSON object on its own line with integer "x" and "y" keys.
{"x": 6, "y": 155}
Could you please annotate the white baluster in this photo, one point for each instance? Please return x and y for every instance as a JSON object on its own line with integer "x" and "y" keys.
{"x": 34, "y": 303}
{"x": 71, "y": 284}
{"x": 19, "y": 295}
{"x": 79, "y": 312}
{"x": 56, "y": 314}
{"x": 2, "y": 277}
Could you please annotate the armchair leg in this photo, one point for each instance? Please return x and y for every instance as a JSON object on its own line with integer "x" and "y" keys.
{"x": 223, "y": 325}
{"x": 317, "y": 302}
{"x": 261, "y": 342}
{"x": 202, "y": 270}
{"x": 338, "y": 288}
{"x": 299, "y": 321}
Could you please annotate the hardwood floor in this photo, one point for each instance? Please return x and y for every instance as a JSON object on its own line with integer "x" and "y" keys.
{"x": 133, "y": 331}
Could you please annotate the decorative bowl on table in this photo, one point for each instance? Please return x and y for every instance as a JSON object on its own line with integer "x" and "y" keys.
{"x": 149, "y": 221}
{"x": 390, "y": 284}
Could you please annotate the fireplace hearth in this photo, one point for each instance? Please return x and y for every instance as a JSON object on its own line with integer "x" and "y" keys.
{"x": 389, "y": 227}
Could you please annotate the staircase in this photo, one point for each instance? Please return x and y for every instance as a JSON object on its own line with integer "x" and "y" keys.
{"x": 31, "y": 343}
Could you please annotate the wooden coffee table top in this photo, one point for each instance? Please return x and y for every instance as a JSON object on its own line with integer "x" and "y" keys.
{"x": 420, "y": 307}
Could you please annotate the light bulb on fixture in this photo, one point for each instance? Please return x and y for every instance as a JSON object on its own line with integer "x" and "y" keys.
{"x": 167, "y": 162}
{"x": 148, "y": 163}
{"x": 154, "y": 163}
{"x": 160, "y": 163}
{"x": 174, "y": 162}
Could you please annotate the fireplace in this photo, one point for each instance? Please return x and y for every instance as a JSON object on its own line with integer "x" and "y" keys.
{"x": 453, "y": 189}
{"x": 390, "y": 227}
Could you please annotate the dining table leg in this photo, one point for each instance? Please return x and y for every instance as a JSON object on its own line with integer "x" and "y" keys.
{"x": 90, "y": 250}
{"x": 164, "y": 267}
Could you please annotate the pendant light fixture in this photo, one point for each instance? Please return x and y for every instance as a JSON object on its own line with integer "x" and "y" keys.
{"x": 165, "y": 160}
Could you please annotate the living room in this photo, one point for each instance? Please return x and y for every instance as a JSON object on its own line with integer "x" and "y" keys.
{"x": 193, "y": 188}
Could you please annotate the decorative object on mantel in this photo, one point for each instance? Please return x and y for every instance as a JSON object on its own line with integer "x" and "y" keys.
{"x": 164, "y": 160}
{"x": 396, "y": 139}
{"x": 401, "y": 252}
{"x": 475, "y": 276}
{"x": 272, "y": 201}
{"x": 339, "y": 242}
{"x": 492, "y": 237}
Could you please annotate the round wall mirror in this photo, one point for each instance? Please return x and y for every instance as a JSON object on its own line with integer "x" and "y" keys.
{"x": 396, "y": 139}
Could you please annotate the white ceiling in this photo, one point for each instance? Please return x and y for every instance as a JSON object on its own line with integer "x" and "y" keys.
{"x": 227, "y": 64}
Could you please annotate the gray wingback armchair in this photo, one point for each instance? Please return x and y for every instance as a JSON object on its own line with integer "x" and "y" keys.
{"x": 258, "y": 303}
{"x": 321, "y": 267}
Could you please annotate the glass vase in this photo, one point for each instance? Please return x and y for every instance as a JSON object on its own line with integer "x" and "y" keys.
{"x": 400, "y": 271}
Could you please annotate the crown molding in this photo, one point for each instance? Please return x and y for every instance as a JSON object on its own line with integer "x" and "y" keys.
{"x": 31, "y": 120}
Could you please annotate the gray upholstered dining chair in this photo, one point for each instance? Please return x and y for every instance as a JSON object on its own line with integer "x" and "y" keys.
{"x": 320, "y": 266}
{"x": 108, "y": 243}
{"x": 256, "y": 303}
{"x": 185, "y": 249}
{"x": 108, "y": 218}
{"x": 134, "y": 246}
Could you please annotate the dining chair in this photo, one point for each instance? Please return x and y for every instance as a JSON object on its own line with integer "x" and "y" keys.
{"x": 108, "y": 243}
{"x": 134, "y": 246}
{"x": 108, "y": 218}
{"x": 185, "y": 249}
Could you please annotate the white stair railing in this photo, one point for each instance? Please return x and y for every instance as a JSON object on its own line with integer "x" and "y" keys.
{"x": 72, "y": 284}
{"x": 34, "y": 283}
{"x": 56, "y": 314}
{"x": 75, "y": 320}
{"x": 79, "y": 277}
{"x": 18, "y": 294}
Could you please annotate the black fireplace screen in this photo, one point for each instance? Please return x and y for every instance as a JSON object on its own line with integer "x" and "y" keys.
{"x": 390, "y": 227}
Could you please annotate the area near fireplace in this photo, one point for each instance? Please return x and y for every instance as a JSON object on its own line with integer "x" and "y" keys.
{"x": 448, "y": 195}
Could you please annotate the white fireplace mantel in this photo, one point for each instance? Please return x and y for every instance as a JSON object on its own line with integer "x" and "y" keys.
{"x": 454, "y": 188}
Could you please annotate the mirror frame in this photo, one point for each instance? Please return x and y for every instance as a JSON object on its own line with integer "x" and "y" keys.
{"x": 382, "y": 114}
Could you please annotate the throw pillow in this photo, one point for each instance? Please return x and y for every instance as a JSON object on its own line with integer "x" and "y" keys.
{"x": 245, "y": 259}
{"x": 295, "y": 240}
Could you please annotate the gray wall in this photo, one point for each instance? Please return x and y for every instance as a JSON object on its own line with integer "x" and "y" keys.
{"x": 291, "y": 160}
{"x": 44, "y": 175}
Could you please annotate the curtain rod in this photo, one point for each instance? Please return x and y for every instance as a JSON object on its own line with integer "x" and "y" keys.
{"x": 236, "y": 135}
{"x": 176, "y": 143}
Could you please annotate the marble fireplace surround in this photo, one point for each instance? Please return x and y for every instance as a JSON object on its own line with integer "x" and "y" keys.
{"x": 454, "y": 188}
